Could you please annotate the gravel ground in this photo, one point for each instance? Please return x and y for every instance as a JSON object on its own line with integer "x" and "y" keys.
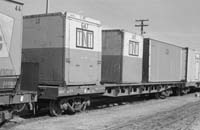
{"x": 174, "y": 113}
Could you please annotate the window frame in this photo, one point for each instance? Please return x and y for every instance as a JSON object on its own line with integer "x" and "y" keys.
{"x": 82, "y": 39}
{"x": 1, "y": 41}
{"x": 135, "y": 48}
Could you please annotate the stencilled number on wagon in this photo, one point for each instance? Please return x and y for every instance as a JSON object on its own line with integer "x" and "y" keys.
{"x": 84, "y": 25}
{"x": 133, "y": 36}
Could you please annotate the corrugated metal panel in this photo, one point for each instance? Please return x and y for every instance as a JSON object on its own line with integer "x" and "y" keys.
{"x": 10, "y": 39}
{"x": 145, "y": 62}
{"x": 193, "y": 72}
{"x": 165, "y": 62}
{"x": 29, "y": 77}
{"x": 43, "y": 43}
{"x": 50, "y": 62}
{"x": 112, "y": 41}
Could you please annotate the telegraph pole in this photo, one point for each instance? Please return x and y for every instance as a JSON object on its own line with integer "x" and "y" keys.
{"x": 47, "y": 6}
{"x": 142, "y": 25}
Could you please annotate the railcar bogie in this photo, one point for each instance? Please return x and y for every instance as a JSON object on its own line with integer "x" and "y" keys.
{"x": 68, "y": 105}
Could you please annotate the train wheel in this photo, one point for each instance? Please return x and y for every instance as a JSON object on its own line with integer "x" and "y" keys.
{"x": 167, "y": 93}
{"x": 54, "y": 108}
{"x": 80, "y": 105}
{"x": 160, "y": 95}
{"x": 74, "y": 104}
{"x": 178, "y": 92}
{"x": 20, "y": 109}
{"x": 186, "y": 91}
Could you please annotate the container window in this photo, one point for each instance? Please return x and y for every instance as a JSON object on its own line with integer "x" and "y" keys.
{"x": 84, "y": 38}
{"x": 90, "y": 39}
{"x": 133, "y": 48}
{"x": 1, "y": 42}
{"x": 79, "y": 38}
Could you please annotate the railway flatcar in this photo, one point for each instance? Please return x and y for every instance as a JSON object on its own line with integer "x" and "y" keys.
{"x": 153, "y": 67}
{"x": 13, "y": 93}
{"x": 67, "y": 48}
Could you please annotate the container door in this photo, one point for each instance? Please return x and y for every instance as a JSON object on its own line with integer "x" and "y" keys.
{"x": 83, "y": 54}
{"x": 29, "y": 76}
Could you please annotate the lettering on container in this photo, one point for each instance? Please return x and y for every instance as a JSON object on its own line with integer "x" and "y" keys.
{"x": 133, "y": 36}
{"x": 84, "y": 26}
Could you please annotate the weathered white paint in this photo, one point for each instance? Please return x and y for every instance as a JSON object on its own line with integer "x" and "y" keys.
{"x": 74, "y": 21}
{"x": 132, "y": 37}
{"x": 6, "y": 29}
{"x": 11, "y": 37}
{"x": 193, "y": 72}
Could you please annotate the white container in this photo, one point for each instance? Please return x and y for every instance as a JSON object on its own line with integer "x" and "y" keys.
{"x": 10, "y": 42}
{"x": 193, "y": 69}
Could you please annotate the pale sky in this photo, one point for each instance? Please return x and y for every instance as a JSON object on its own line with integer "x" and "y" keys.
{"x": 173, "y": 21}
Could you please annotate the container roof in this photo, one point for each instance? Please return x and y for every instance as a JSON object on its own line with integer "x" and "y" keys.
{"x": 166, "y": 43}
{"x": 17, "y": 2}
{"x": 67, "y": 14}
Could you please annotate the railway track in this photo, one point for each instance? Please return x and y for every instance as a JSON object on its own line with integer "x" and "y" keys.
{"x": 181, "y": 118}
{"x": 164, "y": 119}
{"x": 97, "y": 104}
